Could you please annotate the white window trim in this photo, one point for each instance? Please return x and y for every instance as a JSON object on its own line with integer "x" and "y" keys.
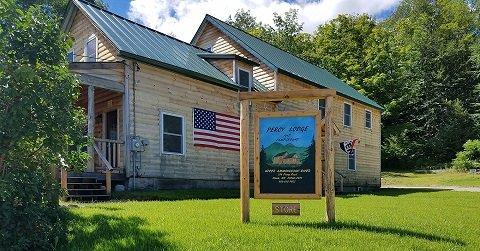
{"x": 351, "y": 114}
{"x": 371, "y": 119}
{"x": 85, "y": 55}
{"x": 250, "y": 77}
{"x": 348, "y": 162}
{"x": 162, "y": 124}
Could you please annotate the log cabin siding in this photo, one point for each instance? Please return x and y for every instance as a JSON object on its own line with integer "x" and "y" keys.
{"x": 157, "y": 90}
{"x": 212, "y": 37}
{"x": 82, "y": 28}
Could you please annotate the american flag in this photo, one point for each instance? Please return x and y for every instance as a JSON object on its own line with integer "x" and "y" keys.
{"x": 216, "y": 130}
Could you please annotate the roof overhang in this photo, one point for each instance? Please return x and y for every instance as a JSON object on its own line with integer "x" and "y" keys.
{"x": 186, "y": 72}
{"x": 228, "y": 56}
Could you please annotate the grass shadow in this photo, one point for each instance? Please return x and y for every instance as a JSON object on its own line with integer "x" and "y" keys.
{"x": 111, "y": 209}
{"x": 107, "y": 232}
{"x": 176, "y": 195}
{"x": 389, "y": 192}
{"x": 395, "y": 192}
{"x": 372, "y": 229}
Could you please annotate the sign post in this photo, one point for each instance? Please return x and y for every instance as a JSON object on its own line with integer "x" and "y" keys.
{"x": 244, "y": 166}
{"x": 329, "y": 168}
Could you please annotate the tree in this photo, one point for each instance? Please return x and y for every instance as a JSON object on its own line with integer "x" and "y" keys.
{"x": 434, "y": 42}
{"x": 40, "y": 125}
{"x": 340, "y": 47}
{"x": 286, "y": 33}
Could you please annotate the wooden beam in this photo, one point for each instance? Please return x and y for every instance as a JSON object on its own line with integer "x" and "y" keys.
{"x": 329, "y": 161}
{"x": 126, "y": 118}
{"x": 287, "y": 95}
{"x": 108, "y": 182}
{"x": 104, "y": 83}
{"x": 244, "y": 165}
{"x": 63, "y": 180}
{"x": 90, "y": 125}
{"x": 95, "y": 65}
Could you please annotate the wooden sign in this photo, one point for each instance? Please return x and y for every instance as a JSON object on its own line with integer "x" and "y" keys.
{"x": 287, "y": 155}
{"x": 285, "y": 208}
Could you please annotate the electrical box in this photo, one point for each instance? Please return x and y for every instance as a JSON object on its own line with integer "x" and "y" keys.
{"x": 137, "y": 144}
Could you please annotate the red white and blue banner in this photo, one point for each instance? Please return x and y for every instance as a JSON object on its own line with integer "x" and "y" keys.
{"x": 348, "y": 146}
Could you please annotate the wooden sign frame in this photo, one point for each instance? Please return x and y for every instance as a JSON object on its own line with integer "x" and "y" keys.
{"x": 246, "y": 100}
{"x": 318, "y": 156}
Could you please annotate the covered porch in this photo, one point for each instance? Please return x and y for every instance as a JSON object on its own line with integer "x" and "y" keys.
{"x": 105, "y": 103}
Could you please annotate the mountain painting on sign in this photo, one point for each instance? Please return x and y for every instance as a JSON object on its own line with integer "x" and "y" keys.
{"x": 287, "y": 154}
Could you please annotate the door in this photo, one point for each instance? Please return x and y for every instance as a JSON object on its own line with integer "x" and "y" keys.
{"x": 111, "y": 133}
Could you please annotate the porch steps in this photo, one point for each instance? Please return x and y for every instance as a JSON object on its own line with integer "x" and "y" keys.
{"x": 84, "y": 188}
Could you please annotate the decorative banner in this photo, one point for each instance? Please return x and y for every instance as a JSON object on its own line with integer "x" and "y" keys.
{"x": 348, "y": 146}
{"x": 286, "y": 163}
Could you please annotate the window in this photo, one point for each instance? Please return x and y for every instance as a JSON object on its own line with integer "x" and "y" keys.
{"x": 71, "y": 55}
{"x": 173, "y": 131}
{"x": 91, "y": 49}
{"x": 352, "y": 163}
{"x": 321, "y": 107}
{"x": 368, "y": 119}
{"x": 347, "y": 114}
{"x": 243, "y": 77}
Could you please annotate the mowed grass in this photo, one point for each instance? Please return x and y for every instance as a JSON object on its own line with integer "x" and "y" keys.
{"x": 391, "y": 219}
{"x": 429, "y": 178}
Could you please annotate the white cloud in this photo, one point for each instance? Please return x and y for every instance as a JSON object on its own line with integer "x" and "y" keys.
{"x": 182, "y": 18}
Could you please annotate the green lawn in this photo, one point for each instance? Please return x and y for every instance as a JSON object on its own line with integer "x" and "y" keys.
{"x": 390, "y": 219}
{"x": 442, "y": 178}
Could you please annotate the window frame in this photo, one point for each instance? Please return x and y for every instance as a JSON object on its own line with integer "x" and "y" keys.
{"x": 351, "y": 115}
{"x": 162, "y": 133}
{"x": 371, "y": 119}
{"x": 354, "y": 161}
{"x": 249, "y": 76}
{"x": 86, "y": 58}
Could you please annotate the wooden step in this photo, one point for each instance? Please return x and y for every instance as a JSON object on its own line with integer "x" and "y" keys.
{"x": 92, "y": 197}
{"x": 79, "y": 179}
{"x": 87, "y": 191}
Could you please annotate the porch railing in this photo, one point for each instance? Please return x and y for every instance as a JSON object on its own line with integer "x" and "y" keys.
{"x": 110, "y": 149}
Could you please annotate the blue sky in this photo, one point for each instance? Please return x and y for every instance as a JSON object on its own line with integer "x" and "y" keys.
{"x": 297, "y": 138}
{"x": 181, "y": 18}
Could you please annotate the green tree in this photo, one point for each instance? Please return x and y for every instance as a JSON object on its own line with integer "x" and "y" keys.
{"x": 286, "y": 33}
{"x": 340, "y": 47}
{"x": 40, "y": 125}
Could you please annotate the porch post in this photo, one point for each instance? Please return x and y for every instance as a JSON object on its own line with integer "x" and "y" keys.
{"x": 126, "y": 120}
{"x": 90, "y": 125}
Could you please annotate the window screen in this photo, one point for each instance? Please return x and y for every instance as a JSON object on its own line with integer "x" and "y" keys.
{"x": 347, "y": 115}
{"x": 91, "y": 50}
{"x": 368, "y": 119}
{"x": 172, "y": 138}
{"x": 243, "y": 78}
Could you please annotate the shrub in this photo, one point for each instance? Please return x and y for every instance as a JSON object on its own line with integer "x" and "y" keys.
{"x": 30, "y": 215}
{"x": 469, "y": 158}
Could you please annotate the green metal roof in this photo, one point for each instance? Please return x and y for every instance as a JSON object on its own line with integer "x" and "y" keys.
{"x": 287, "y": 63}
{"x": 136, "y": 41}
